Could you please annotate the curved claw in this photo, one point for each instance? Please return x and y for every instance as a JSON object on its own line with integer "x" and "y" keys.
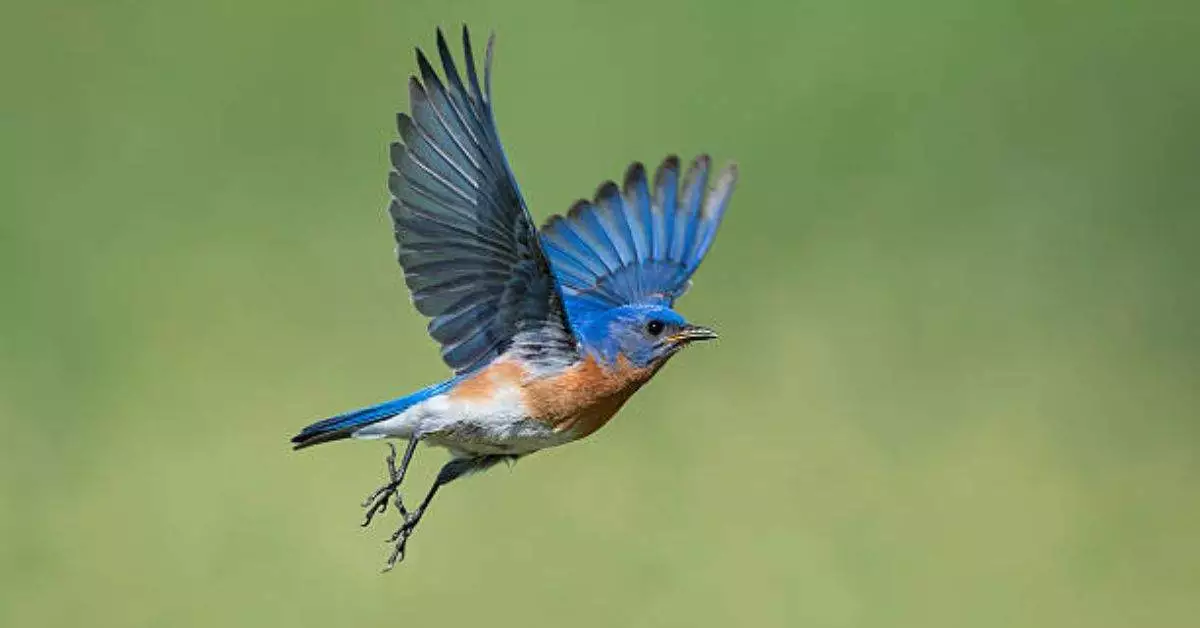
{"x": 377, "y": 501}
{"x": 400, "y": 538}
{"x": 376, "y": 508}
{"x": 396, "y": 557}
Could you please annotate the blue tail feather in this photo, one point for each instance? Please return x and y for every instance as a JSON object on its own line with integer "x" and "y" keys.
{"x": 344, "y": 425}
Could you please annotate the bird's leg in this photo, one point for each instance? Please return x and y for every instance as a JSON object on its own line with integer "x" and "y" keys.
{"x": 377, "y": 501}
{"x": 450, "y": 471}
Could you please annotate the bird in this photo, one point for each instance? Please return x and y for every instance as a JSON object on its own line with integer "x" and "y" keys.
{"x": 548, "y": 331}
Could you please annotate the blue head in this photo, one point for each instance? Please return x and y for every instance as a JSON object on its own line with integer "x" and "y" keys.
{"x": 646, "y": 335}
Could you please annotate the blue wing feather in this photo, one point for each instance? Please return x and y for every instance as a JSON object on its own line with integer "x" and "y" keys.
{"x": 629, "y": 247}
{"x": 666, "y": 190}
{"x": 710, "y": 217}
{"x": 637, "y": 198}
{"x": 694, "y": 183}
{"x": 471, "y": 255}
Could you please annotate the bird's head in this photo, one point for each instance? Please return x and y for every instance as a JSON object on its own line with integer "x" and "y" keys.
{"x": 646, "y": 335}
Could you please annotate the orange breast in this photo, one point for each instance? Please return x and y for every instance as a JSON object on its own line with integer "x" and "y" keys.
{"x": 484, "y": 384}
{"x": 583, "y": 398}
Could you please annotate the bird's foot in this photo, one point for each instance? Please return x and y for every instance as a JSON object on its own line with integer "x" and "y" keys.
{"x": 400, "y": 539}
{"x": 377, "y": 501}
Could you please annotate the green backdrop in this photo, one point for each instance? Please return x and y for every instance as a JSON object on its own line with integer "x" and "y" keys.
{"x": 957, "y": 383}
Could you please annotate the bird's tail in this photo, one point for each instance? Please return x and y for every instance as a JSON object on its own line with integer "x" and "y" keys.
{"x": 345, "y": 425}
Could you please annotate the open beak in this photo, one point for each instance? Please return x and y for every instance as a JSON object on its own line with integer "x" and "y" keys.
{"x": 688, "y": 335}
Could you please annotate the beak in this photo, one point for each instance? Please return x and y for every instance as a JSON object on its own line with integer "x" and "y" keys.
{"x": 689, "y": 334}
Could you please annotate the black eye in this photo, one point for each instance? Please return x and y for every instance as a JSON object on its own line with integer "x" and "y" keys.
{"x": 654, "y": 328}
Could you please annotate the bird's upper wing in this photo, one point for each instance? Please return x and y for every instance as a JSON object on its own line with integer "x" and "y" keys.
{"x": 634, "y": 246}
{"x": 470, "y": 252}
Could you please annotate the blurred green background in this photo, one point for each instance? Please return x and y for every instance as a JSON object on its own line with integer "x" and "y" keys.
{"x": 957, "y": 383}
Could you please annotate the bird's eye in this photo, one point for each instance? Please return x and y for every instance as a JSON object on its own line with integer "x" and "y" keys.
{"x": 654, "y": 328}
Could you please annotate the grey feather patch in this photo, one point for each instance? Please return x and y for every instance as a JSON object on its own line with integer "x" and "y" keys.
{"x": 471, "y": 256}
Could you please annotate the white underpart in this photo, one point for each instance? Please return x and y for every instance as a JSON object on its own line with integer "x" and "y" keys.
{"x": 499, "y": 424}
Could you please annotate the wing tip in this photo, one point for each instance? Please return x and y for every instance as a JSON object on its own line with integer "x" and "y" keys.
{"x": 669, "y": 165}
{"x": 423, "y": 63}
{"x": 695, "y": 180}
{"x": 416, "y": 92}
{"x": 487, "y": 64}
{"x": 577, "y": 208}
{"x": 718, "y": 197}
{"x": 728, "y": 175}
{"x": 444, "y": 51}
{"x": 607, "y": 192}
{"x": 404, "y": 125}
{"x": 635, "y": 176}
{"x": 396, "y": 150}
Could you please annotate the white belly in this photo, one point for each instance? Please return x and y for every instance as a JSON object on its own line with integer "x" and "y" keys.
{"x": 499, "y": 424}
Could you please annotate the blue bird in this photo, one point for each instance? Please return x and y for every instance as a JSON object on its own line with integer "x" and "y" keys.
{"x": 548, "y": 332}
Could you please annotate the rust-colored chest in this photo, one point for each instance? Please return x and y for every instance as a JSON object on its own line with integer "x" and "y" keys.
{"x": 584, "y": 397}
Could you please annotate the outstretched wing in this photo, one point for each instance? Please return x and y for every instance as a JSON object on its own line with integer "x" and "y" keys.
{"x": 470, "y": 253}
{"x": 629, "y": 247}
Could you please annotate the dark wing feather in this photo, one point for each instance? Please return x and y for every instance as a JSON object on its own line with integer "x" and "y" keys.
{"x": 470, "y": 253}
{"x": 629, "y": 245}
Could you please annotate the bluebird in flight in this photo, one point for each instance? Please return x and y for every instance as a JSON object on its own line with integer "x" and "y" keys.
{"x": 548, "y": 332}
